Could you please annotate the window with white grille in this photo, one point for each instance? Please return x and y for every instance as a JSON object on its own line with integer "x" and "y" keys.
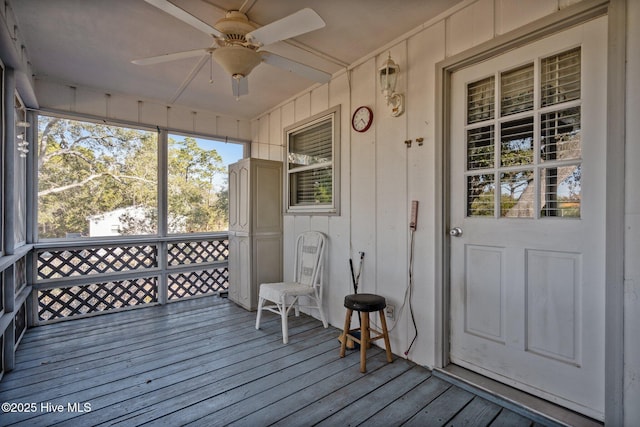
{"x": 523, "y": 140}
{"x": 311, "y": 164}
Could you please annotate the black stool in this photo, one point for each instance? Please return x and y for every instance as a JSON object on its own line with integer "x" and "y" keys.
{"x": 365, "y": 303}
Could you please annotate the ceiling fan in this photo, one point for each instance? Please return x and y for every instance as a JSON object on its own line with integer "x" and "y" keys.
{"x": 238, "y": 43}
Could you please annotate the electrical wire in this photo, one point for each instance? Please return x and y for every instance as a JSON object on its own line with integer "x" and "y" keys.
{"x": 410, "y": 289}
{"x": 406, "y": 297}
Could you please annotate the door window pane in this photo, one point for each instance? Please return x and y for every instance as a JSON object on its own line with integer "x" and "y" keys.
{"x": 480, "y": 148}
{"x": 480, "y": 195}
{"x": 517, "y": 194}
{"x": 480, "y": 100}
{"x": 560, "y": 78}
{"x": 516, "y": 147}
{"x": 560, "y": 135}
{"x": 516, "y": 94}
{"x": 561, "y": 191}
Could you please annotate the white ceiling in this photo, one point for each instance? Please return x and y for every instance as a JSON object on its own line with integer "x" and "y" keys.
{"x": 92, "y": 42}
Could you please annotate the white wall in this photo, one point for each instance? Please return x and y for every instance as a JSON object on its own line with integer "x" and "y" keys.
{"x": 380, "y": 176}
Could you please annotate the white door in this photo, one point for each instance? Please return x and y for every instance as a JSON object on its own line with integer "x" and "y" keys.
{"x": 527, "y": 218}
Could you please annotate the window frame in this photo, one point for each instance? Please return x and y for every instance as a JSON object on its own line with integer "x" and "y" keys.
{"x": 333, "y": 208}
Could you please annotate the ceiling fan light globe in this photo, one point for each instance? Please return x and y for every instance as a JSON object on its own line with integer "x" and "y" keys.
{"x": 237, "y": 59}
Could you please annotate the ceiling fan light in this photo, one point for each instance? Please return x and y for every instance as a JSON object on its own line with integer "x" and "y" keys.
{"x": 237, "y": 60}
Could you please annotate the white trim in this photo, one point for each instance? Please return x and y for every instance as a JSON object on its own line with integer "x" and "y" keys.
{"x": 615, "y": 208}
{"x": 136, "y": 125}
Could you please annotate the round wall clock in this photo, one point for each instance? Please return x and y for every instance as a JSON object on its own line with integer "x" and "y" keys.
{"x": 362, "y": 119}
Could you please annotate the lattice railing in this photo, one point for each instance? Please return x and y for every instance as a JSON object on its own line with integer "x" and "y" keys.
{"x": 77, "y": 300}
{"x": 196, "y": 252}
{"x": 195, "y": 283}
{"x": 53, "y": 264}
{"x": 20, "y": 322}
{"x": 20, "y": 274}
{"x": 69, "y": 281}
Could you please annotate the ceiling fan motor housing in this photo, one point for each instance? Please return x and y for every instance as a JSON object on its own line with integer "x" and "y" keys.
{"x": 236, "y": 55}
{"x": 234, "y": 26}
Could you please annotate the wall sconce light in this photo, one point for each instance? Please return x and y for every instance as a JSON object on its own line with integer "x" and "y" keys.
{"x": 388, "y": 79}
{"x": 22, "y": 143}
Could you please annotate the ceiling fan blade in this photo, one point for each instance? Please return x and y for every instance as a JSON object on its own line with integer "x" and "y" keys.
{"x": 239, "y": 86}
{"x": 184, "y": 16}
{"x": 167, "y": 57}
{"x": 295, "y": 67}
{"x": 301, "y": 22}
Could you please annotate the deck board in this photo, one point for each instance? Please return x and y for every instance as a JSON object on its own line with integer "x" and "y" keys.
{"x": 477, "y": 413}
{"x": 374, "y": 401}
{"x": 201, "y": 362}
{"x": 401, "y": 410}
{"x": 510, "y": 419}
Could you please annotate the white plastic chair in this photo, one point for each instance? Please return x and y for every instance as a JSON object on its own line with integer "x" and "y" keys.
{"x": 308, "y": 279}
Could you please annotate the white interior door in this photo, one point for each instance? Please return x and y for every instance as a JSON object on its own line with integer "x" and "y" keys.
{"x": 527, "y": 217}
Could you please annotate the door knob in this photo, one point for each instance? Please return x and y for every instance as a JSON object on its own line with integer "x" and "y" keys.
{"x": 455, "y": 232}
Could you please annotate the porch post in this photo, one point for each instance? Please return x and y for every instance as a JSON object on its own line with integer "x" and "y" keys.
{"x": 9, "y": 162}
{"x": 163, "y": 226}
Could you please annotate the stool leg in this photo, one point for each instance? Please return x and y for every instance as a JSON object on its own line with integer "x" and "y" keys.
{"x": 364, "y": 340}
{"x": 345, "y": 331}
{"x": 283, "y": 316}
{"x": 385, "y": 333}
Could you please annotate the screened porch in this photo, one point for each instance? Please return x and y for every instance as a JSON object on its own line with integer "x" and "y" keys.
{"x": 503, "y": 241}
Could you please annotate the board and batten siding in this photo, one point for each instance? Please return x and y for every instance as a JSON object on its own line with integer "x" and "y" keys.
{"x": 380, "y": 175}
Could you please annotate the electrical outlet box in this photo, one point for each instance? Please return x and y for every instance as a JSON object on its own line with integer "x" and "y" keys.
{"x": 390, "y": 311}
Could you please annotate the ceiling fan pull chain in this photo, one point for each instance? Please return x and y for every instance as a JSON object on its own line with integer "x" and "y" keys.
{"x": 210, "y": 67}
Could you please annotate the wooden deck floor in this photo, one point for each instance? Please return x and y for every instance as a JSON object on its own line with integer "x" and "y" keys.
{"x": 202, "y": 363}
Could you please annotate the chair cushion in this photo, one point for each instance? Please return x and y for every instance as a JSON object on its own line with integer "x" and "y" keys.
{"x": 274, "y": 291}
{"x": 365, "y": 302}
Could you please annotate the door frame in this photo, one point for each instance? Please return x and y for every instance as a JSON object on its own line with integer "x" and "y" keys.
{"x": 615, "y": 10}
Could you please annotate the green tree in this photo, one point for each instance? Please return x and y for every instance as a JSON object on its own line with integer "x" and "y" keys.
{"x": 194, "y": 206}
{"x": 88, "y": 169}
